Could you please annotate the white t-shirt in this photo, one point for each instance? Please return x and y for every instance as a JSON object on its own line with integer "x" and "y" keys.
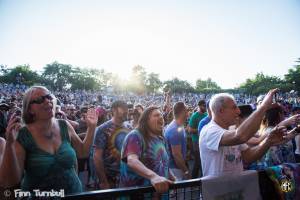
{"x": 215, "y": 159}
{"x": 297, "y": 140}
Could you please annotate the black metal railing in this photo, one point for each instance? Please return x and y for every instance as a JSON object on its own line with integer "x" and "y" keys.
{"x": 188, "y": 189}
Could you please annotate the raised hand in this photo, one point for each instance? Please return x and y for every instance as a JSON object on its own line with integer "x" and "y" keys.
{"x": 12, "y": 129}
{"x": 91, "y": 117}
{"x": 291, "y": 134}
{"x": 268, "y": 100}
{"x": 291, "y": 120}
{"x": 277, "y": 135}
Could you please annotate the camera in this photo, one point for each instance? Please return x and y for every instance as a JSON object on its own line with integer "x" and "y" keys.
{"x": 276, "y": 98}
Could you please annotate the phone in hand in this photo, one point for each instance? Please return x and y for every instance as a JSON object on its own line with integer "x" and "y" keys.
{"x": 275, "y": 98}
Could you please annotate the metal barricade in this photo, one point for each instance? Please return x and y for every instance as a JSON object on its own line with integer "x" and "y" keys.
{"x": 188, "y": 189}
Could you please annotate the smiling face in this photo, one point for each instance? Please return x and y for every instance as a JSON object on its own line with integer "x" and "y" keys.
{"x": 41, "y": 104}
{"x": 156, "y": 122}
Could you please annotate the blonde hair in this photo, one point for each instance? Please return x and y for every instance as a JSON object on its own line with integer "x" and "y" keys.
{"x": 28, "y": 117}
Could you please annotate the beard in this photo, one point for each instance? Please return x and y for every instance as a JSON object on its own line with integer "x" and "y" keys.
{"x": 123, "y": 118}
{"x": 156, "y": 131}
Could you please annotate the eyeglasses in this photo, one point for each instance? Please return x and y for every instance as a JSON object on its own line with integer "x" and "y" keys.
{"x": 41, "y": 99}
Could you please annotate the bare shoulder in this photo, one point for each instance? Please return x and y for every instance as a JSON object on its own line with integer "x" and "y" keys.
{"x": 71, "y": 130}
{"x": 2, "y": 142}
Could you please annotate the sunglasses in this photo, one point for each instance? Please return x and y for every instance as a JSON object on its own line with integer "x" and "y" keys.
{"x": 41, "y": 99}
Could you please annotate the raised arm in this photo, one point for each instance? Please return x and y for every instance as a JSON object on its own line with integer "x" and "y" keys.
{"x": 275, "y": 137}
{"x": 250, "y": 126}
{"x": 83, "y": 147}
{"x": 253, "y": 141}
{"x": 290, "y": 121}
{"x": 11, "y": 169}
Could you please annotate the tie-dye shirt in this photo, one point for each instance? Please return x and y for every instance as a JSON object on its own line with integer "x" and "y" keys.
{"x": 276, "y": 155}
{"x": 154, "y": 156}
{"x": 109, "y": 137}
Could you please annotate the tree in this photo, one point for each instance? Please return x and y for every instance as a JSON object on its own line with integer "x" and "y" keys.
{"x": 89, "y": 79}
{"x": 81, "y": 79}
{"x": 21, "y": 74}
{"x": 58, "y": 76}
{"x": 205, "y": 86}
{"x": 117, "y": 83}
{"x": 3, "y": 70}
{"x": 262, "y": 84}
{"x": 178, "y": 86}
{"x": 137, "y": 82}
{"x": 102, "y": 77}
{"x": 153, "y": 82}
{"x": 293, "y": 77}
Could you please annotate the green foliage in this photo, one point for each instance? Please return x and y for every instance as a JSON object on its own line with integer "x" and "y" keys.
{"x": 137, "y": 82}
{"x": 3, "y": 70}
{"x": 19, "y": 74}
{"x": 117, "y": 83}
{"x": 178, "y": 86}
{"x": 91, "y": 79}
{"x": 60, "y": 76}
{"x": 207, "y": 86}
{"x": 293, "y": 77}
{"x": 261, "y": 84}
{"x": 63, "y": 76}
{"x": 153, "y": 83}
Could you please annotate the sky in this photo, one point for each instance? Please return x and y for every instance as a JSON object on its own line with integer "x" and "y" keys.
{"x": 227, "y": 41}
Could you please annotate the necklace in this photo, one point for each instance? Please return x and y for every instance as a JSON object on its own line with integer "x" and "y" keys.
{"x": 49, "y": 136}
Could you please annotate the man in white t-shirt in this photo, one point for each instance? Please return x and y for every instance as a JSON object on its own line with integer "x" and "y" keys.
{"x": 222, "y": 150}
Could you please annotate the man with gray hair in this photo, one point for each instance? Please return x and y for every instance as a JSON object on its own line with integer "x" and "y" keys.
{"x": 222, "y": 150}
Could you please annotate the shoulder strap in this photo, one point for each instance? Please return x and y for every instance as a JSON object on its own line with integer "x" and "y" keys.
{"x": 64, "y": 130}
{"x": 25, "y": 139}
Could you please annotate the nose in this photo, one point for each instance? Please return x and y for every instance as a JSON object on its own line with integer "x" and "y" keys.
{"x": 161, "y": 118}
{"x": 46, "y": 100}
{"x": 238, "y": 111}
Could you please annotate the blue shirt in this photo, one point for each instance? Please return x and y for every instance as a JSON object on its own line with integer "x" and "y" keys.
{"x": 175, "y": 135}
{"x": 203, "y": 122}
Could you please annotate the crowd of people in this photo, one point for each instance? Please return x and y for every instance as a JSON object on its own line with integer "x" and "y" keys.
{"x": 122, "y": 140}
